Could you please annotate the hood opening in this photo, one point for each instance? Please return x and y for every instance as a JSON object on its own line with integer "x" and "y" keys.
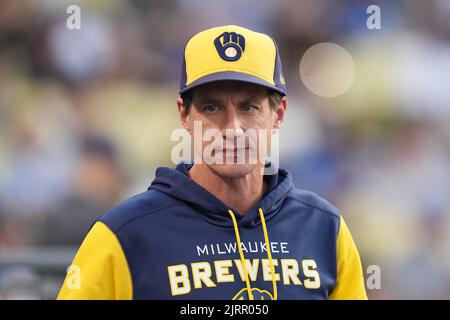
{"x": 178, "y": 184}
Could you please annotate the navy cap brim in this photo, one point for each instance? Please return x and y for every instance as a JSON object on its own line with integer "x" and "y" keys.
{"x": 233, "y": 76}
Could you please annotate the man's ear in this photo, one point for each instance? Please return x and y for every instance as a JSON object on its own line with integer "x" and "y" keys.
{"x": 280, "y": 112}
{"x": 184, "y": 115}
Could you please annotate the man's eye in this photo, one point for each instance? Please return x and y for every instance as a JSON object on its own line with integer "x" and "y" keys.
{"x": 247, "y": 108}
{"x": 211, "y": 108}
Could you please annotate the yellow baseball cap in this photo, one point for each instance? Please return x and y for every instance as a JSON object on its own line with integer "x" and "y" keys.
{"x": 231, "y": 53}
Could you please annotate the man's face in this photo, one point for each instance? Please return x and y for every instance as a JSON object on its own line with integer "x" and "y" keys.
{"x": 236, "y": 121}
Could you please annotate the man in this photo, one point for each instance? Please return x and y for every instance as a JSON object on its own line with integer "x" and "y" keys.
{"x": 218, "y": 228}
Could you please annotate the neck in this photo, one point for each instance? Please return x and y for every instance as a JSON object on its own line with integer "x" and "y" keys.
{"x": 240, "y": 193}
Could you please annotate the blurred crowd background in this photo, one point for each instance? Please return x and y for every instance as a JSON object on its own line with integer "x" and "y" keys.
{"x": 86, "y": 117}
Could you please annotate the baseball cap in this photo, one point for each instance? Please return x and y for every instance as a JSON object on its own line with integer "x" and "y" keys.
{"x": 231, "y": 53}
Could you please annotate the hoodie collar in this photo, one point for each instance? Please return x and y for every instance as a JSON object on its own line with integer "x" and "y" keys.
{"x": 177, "y": 184}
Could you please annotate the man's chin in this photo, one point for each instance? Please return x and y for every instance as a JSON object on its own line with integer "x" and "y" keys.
{"x": 233, "y": 170}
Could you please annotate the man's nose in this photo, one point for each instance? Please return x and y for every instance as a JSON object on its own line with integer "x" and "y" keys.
{"x": 233, "y": 123}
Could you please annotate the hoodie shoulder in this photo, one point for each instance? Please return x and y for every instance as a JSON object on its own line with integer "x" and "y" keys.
{"x": 311, "y": 199}
{"x": 145, "y": 203}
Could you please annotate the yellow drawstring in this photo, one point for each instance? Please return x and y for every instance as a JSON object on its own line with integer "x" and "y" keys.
{"x": 269, "y": 254}
{"x": 241, "y": 254}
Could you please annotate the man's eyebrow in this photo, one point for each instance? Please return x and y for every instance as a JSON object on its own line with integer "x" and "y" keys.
{"x": 253, "y": 98}
{"x": 206, "y": 98}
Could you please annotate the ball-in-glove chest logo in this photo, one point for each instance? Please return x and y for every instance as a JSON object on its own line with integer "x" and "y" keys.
{"x": 230, "y": 46}
{"x": 258, "y": 294}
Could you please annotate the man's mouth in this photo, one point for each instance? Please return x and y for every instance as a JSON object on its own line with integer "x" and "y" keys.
{"x": 234, "y": 150}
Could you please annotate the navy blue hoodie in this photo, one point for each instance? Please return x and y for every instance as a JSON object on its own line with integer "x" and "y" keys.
{"x": 179, "y": 241}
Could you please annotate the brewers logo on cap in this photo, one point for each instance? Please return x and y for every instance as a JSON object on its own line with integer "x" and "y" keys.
{"x": 230, "y": 45}
{"x": 231, "y": 53}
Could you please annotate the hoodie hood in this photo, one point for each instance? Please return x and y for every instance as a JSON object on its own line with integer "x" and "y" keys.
{"x": 178, "y": 184}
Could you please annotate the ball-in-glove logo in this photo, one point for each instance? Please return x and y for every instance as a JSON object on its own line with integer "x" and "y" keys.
{"x": 257, "y": 294}
{"x": 230, "y": 45}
